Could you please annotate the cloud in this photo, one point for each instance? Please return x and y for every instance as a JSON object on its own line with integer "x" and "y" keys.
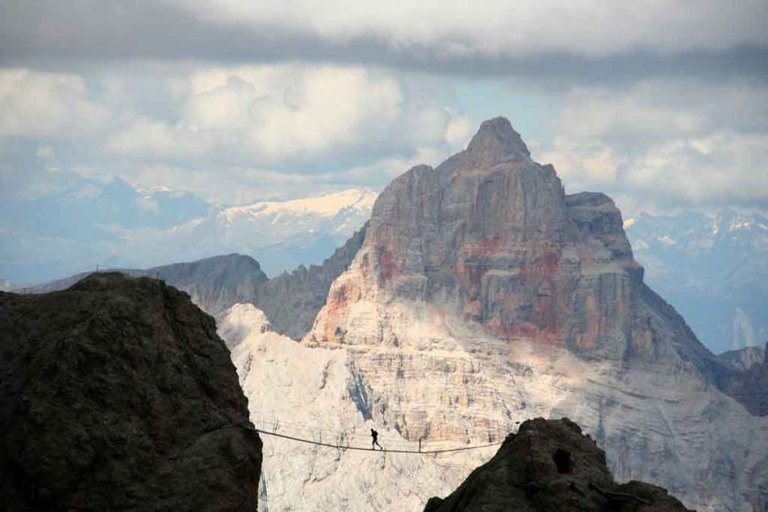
{"x": 587, "y": 27}
{"x": 228, "y": 133}
{"x": 667, "y": 143}
{"x": 35, "y": 104}
{"x": 292, "y": 115}
{"x": 582, "y": 39}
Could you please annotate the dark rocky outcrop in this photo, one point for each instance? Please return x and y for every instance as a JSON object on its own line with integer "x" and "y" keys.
{"x": 550, "y": 465}
{"x": 117, "y": 393}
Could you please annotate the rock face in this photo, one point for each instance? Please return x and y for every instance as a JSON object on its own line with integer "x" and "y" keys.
{"x": 551, "y": 465}
{"x": 117, "y": 393}
{"x": 483, "y": 295}
{"x": 743, "y": 359}
{"x": 291, "y": 301}
{"x": 749, "y": 386}
{"x": 492, "y": 237}
{"x": 214, "y": 284}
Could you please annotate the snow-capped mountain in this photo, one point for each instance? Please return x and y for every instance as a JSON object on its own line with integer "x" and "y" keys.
{"x": 85, "y": 224}
{"x": 92, "y": 224}
{"x": 481, "y": 296}
{"x": 331, "y": 213}
{"x": 713, "y": 268}
{"x": 285, "y": 234}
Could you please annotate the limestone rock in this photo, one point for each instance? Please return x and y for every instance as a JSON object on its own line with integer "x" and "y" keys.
{"x": 292, "y": 300}
{"x": 491, "y": 237}
{"x": 117, "y": 393}
{"x": 743, "y": 358}
{"x": 749, "y": 386}
{"x": 551, "y": 465}
{"x": 483, "y": 295}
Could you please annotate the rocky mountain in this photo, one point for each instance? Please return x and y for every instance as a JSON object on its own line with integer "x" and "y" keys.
{"x": 117, "y": 393}
{"x": 483, "y": 295}
{"x": 551, "y": 465}
{"x": 713, "y": 267}
{"x": 214, "y": 284}
{"x": 291, "y": 300}
{"x": 491, "y": 237}
{"x": 743, "y": 359}
{"x": 749, "y": 386}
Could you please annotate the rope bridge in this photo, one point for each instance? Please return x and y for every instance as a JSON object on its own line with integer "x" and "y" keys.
{"x": 344, "y": 447}
{"x": 299, "y": 439}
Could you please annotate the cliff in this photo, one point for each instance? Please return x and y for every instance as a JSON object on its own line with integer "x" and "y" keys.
{"x": 490, "y": 237}
{"x": 117, "y": 393}
{"x": 214, "y": 283}
{"x": 292, "y": 300}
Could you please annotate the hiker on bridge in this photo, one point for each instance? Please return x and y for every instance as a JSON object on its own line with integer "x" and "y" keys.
{"x": 375, "y": 438}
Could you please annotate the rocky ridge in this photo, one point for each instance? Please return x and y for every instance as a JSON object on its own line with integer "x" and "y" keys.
{"x": 749, "y": 386}
{"x": 551, "y": 465}
{"x": 214, "y": 284}
{"x": 291, "y": 300}
{"x": 743, "y": 359}
{"x": 117, "y": 393}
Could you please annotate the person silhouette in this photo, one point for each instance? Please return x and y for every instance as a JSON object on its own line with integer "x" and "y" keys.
{"x": 375, "y": 440}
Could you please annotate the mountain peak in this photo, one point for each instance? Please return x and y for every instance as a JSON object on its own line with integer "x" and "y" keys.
{"x": 496, "y": 142}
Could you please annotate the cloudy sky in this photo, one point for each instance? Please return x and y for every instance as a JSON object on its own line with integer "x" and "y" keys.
{"x": 657, "y": 102}
{"x": 662, "y": 104}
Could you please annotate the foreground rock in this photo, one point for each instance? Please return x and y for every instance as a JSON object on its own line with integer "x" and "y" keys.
{"x": 551, "y": 465}
{"x": 117, "y": 393}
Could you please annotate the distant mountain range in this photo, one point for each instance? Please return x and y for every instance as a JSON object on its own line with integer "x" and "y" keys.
{"x": 713, "y": 268}
{"x": 113, "y": 225}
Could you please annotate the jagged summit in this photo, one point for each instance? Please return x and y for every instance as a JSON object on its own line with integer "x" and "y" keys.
{"x": 491, "y": 240}
{"x": 494, "y": 143}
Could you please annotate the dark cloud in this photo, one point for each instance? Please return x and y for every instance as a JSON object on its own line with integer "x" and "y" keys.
{"x": 56, "y": 34}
